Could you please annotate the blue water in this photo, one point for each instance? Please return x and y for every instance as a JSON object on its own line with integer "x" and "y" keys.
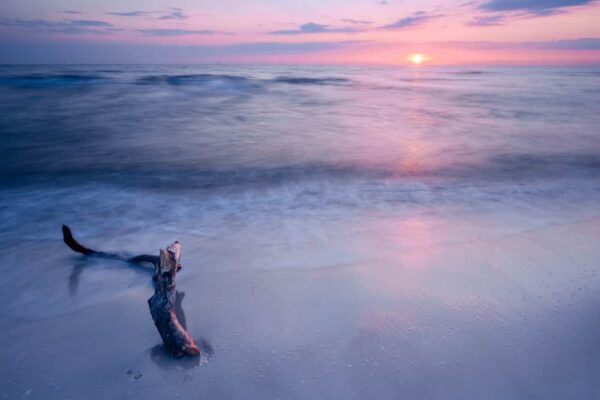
{"x": 237, "y": 140}
{"x": 348, "y": 232}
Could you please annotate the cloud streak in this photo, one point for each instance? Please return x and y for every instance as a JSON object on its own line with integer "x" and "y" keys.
{"x": 486, "y": 20}
{"x": 129, "y": 13}
{"x": 174, "y": 14}
{"x": 79, "y": 26}
{"x": 566, "y": 44}
{"x": 415, "y": 19}
{"x": 177, "y": 32}
{"x": 312, "y": 27}
{"x": 538, "y": 7}
{"x": 88, "y": 22}
{"x": 357, "y": 21}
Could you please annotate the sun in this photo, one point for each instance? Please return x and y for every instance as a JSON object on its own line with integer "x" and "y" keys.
{"x": 418, "y": 58}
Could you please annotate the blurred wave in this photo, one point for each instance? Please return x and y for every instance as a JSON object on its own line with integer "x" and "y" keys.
{"x": 123, "y": 141}
{"x": 113, "y": 77}
{"x": 311, "y": 81}
{"x": 504, "y": 167}
{"x": 51, "y": 80}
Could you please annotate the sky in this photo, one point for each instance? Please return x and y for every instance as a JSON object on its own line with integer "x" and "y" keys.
{"x": 451, "y": 32}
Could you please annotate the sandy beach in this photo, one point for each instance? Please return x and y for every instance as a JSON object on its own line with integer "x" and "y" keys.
{"x": 492, "y": 318}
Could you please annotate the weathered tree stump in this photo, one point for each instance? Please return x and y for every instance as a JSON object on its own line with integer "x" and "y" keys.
{"x": 162, "y": 305}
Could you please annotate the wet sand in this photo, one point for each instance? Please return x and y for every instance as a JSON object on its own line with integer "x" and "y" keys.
{"x": 510, "y": 317}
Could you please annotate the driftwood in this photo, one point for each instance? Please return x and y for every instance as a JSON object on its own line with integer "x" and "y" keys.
{"x": 139, "y": 259}
{"x": 162, "y": 306}
{"x": 163, "y": 303}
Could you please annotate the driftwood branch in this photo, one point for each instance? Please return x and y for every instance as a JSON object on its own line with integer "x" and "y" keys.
{"x": 162, "y": 305}
{"x": 138, "y": 259}
{"x": 74, "y": 244}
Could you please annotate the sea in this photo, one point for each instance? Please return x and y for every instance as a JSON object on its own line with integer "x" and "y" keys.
{"x": 195, "y": 148}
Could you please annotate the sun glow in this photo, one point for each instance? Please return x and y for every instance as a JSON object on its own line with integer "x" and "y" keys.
{"x": 418, "y": 58}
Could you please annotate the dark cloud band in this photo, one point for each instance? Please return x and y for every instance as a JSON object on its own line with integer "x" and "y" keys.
{"x": 532, "y": 6}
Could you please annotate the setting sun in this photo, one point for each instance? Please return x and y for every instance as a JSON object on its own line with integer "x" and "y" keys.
{"x": 418, "y": 58}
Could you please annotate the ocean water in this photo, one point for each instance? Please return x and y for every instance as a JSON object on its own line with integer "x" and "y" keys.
{"x": 184, "y": 145}
{"x": 412, "y": 218}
